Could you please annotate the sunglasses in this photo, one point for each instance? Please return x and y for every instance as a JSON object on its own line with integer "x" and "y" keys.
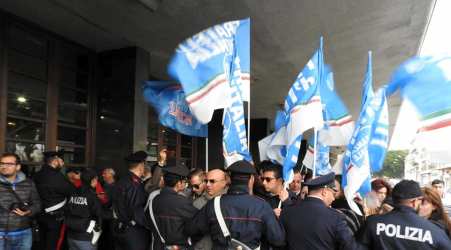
{"x": 267, "y": 179}
{"x": 211, "y": 181}
{"x": 195, "y": 186}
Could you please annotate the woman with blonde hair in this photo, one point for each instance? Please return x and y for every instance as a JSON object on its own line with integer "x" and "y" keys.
{"x": 432, "y": 209}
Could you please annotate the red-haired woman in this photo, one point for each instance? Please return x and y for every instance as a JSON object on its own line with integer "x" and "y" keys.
{"x": 432, "y": 209}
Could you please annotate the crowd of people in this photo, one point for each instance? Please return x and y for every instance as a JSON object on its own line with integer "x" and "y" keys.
{"x": 244, "y": 207}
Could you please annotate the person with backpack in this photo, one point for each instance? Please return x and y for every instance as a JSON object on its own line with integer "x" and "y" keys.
{"x": 19, "y": 202}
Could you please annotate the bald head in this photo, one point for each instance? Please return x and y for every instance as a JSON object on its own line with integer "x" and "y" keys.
{"x": 216, "y": 182}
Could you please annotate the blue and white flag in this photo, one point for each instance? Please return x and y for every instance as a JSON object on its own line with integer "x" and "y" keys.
{"x": 322, "y": 165}
{"x": 168, "y": 100}
{"x": 302, "y": 111}
{"x": 366, "y": 150}
{"x": 204, "y": 63}
{"x": 425, "y": 82}
{"x": 214, "y": 68}
{"x": 338, "y": 123}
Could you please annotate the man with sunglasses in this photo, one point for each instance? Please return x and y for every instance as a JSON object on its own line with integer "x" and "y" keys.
{"x": 403, "y": 228}
{"x": 216, "y": 182}
{"x": 196, "y": 182}
{"x": 247, "y": 217}
{"x": 273, "y": 183}
{"x": 312, "y": 224}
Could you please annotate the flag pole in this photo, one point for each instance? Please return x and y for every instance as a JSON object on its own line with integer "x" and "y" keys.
{"x": 249, "y": 124}
{"x": 206, "y": 154}
{"x": 314, "y": 151}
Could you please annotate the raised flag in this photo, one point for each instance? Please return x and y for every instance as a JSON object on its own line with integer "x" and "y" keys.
{"x": 302, "y": 111}
{"x": 204, "y": 64}
{"x": 322, "y": 165}
{"x": 338, "y": 123}
{"x": 425, "y": 82}
{"x": 365, "y": 152}
{"x": 168, "y": 100}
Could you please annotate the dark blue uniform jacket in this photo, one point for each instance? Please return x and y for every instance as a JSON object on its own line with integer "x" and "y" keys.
{"x": 310, "y": 224}
{"x": 248, "y": 219}
{"x": 401, "y": 229}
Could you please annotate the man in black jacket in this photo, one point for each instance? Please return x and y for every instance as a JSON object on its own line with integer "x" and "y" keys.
{"x": 312, "y": 224}
{"x": 19, "y": 201}
{"x": 171, "y": 211}
{"x": 248, "y": 218}
{"x": 54, "y": 189}
{"x": 128, "y": 206}
{"x": 84, "y": 214}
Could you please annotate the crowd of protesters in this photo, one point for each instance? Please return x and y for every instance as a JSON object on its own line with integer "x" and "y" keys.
{"x": 244, "y": 207}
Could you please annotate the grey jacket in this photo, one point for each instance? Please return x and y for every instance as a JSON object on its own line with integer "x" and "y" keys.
{"x": 26, "y": 190}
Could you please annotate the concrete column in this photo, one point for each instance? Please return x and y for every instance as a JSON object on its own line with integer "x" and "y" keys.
{"x": 141, "y": 110}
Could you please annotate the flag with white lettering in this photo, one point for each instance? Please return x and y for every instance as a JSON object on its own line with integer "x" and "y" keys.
{"x": 168, "y": 100}
{"x": 205, "y": 63}
{"x": 366, "y": 151}
{"x": 302, "y": 111}
{"x": 425, "y": 82}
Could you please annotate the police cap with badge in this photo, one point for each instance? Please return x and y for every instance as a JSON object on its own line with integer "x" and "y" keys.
{"x": 240, "y": 171}
{"x": 52, "y": 154}
{"x": 176, "y": 172}
{"x": 406, "y": 189}
{"x": 325, "y": 181}
{"x": 136, "y": 157}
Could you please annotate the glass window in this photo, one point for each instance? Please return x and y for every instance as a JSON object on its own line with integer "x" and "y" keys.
{"x": 75, "y": 59}
{"x": 27, "y": 65}
{"x": 73, "y": 155}
{"x": 23, "y": 105}
{"x": 71, "y": 136}
{"x": 27, "y": 43}
{"x": 169, "y": 136}
{"x": 28, "y": 152}
{"x": 20, "y": 129}
{"x": 72, "y": 107}
{"x": 76, "y": 80}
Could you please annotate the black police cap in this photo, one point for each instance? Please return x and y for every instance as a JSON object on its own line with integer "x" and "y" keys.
{"x": 321, "y": 181}
{"x": 50, "y": 154}
{"x": 242, "y": 167}
{"x": 136, "y": 157}
{"x": 406, "y": 189}
{"x": 180, "y": 171}
{"x": 74, "y": 169}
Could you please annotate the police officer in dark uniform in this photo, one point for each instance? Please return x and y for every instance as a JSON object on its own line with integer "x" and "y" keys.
{"x": 170, "y": 210}
{"x": 54, "y": 189}
{"x": 128, "y": 206}
{"x": 312, "y": 224}
{"x": 84, "y": 214}
{"x": 402, "y": 228}
{"x": 248, "y": 218}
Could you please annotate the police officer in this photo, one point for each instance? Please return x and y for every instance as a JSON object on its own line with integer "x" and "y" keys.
{"x": 54, "y": 189}
{"x": 84, "y": 214}
{"x": 402, "y": 228}
{"x": 128, "y": 206}
{"x": 247, "y": 218}
{"x": 312, "y": 224}
{"x": 170, "y": 210}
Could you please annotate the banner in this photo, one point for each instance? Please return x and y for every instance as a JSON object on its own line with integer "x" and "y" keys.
{"x": 168, "y": 100}
{"x": 366, "y": 150}
{"x": 425, "y": 82}
{"x": 205, "y": 62}
{"x": 302, "y": 111}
